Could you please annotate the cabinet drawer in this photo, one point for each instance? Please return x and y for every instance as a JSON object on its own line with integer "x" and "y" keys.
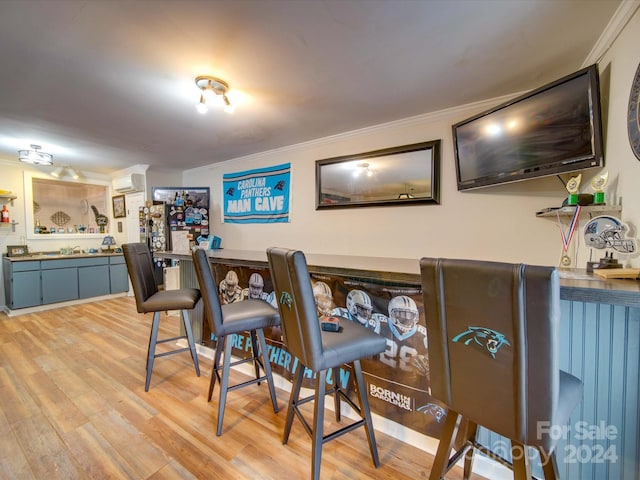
{"x": 25, "y": 266}
{"x": 116, "y": 260}
{"x": 74, "y": 262}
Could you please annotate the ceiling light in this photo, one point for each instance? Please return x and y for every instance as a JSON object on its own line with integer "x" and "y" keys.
{"x": 57, "y": 172}
{"x": 202, "y": 106}
{"x": 213, "y": 90}
{"x": 227, "y": 105}
{"x": 72, "y": 173}
{"x": 35, "y": 156}
{"x": 65, "y": 171}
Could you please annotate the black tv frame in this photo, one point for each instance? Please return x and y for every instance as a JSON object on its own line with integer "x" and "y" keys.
{"x": 594, "y": 160}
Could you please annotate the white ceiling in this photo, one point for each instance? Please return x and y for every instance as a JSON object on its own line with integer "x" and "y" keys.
{"x": 104, "y": 85}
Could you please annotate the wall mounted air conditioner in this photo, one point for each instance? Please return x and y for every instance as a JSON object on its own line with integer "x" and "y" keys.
{"x": 133, "y": 182}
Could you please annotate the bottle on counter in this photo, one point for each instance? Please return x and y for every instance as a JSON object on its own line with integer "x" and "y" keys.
{"x": 37, "y": 228}
{"x": 5, "y": 214}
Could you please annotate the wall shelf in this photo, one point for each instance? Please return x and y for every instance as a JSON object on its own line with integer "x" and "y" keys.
{"x": 592, "y": 210}
{"x": 7, "y": 197}
{"x": 4, "y": 198}
{"x": 11, "y": 224}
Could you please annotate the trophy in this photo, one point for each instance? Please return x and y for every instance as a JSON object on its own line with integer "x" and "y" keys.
{"x": 598, "y": 183}
{"x": 572, "y": 187}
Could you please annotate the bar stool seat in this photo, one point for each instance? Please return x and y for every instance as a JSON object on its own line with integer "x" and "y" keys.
{"x": 180, "y": 299}
{"x": 250, "y": 315}
{"x": 149, "y": 299}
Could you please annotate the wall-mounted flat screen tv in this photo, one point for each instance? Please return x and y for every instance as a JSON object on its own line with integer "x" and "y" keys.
{"x": 552, "y": 130}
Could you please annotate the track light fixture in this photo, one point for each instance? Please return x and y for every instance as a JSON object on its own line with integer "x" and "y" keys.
{"x": 213, "y": 90}
{"x": 35, "y": 156}
{"x": 65, "y": 171}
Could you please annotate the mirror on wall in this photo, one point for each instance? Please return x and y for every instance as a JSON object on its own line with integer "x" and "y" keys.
{"x": 402, "y": 175}
{"x": 65, "y": 207}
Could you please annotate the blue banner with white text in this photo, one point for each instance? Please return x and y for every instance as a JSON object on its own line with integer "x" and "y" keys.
{"x": 257, "y": 196}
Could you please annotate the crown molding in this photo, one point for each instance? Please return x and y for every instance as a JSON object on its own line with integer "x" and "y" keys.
{"x": 620, "y": 18}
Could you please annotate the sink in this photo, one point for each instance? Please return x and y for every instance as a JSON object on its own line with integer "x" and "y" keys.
{"x": 44, "y": 255}
{"x": 54, "y": 255}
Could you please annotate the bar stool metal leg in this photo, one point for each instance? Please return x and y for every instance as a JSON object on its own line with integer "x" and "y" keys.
{"x": 151, "y": 353}
{"x": 293, "y": 403}
{"x": 365, "y": 412}
{"x": 224, "y": 383}
{"x": 215, "y": 375}
{"x": 190, "y": 341}
{"x": 318, "y": 420}
{"x": 472, "y": 430}
{"x": 336, "y": 395}
{"x": 549, "y": 465}
{"x": 447, "y": 438}
{"x": 266, "y": 366}
{"x": 255, "y": 354}
{"x": 521, "y": 466}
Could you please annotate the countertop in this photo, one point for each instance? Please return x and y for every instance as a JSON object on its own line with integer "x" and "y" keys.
{"x": 59, "y": 256}
{"x": 575, "y": 284}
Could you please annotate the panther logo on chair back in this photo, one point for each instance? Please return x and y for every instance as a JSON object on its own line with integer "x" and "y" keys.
{"x": 490, "y": 340}
{"x": 286, "y": 299}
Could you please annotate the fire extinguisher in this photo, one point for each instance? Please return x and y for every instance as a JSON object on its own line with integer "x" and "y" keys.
{"x": 5, "y": 214}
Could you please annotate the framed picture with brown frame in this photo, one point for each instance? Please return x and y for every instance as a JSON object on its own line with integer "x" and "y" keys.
{"x": 17, "y": 250}
{"x": 119, "y": 206}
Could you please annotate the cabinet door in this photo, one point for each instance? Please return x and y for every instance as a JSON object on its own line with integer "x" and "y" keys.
{"x": 25, "y": 289}
{"x": 119, "y": 278}
{"x": 59, "y": 285}
{"x": 93, "y": 281}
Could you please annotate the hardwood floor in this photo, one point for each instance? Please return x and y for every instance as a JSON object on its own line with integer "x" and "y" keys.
{"x": 73, "y": 406}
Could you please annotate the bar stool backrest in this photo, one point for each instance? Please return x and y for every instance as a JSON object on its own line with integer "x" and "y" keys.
{"x": 209, "y": 289}
{"x": 493, "y": 343}
{"x": 297, "y": 306}
{"x": 140, "y": 267}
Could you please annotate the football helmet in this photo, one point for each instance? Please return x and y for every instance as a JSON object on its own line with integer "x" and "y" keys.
{"x": 324, "y": 298}
{"x": 403, "y": 313}
{"x": 608, "y": 232}
{"x": 359, "y": 306}
{"x": 231, "y": 280}
{"x": 256, "y": 284}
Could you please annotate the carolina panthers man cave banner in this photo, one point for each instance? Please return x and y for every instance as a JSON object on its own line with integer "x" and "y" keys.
{"x": 257, "y": 196}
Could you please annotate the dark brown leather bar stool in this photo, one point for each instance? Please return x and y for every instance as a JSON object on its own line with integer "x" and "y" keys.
{"x": 150, "y": 299}
{"x": 319, "y": 351}
{"x": 493, "y": 350}
{"x": 249, "y": 315}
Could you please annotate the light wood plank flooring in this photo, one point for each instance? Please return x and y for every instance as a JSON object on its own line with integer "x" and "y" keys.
{"x": 73, "y": 406}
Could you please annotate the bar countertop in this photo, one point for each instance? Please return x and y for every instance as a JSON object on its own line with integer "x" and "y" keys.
{"x": 575, "y": 284}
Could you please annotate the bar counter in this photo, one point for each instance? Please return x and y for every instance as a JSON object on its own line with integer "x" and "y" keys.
{"x": 600, "y": 344}
{"x": 575, "y": 284}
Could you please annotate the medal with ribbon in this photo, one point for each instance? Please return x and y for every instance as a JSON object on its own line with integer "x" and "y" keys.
{"x": 568, "y": 236}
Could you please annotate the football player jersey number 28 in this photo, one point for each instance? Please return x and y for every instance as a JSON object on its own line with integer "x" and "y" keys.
{"x": 398, "y": 356}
